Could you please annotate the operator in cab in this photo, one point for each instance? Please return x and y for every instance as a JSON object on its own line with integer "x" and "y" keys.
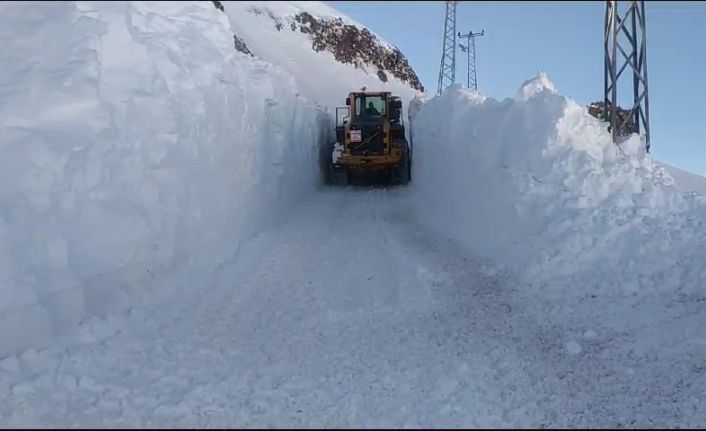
{"x": 370, "y": 110}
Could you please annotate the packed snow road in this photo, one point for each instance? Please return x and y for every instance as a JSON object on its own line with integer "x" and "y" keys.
{"x": 345, "y": 314}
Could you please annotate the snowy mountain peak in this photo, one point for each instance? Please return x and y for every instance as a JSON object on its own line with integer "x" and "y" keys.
{"x": 312, "y": 40}
{"x": 359, "y": 47}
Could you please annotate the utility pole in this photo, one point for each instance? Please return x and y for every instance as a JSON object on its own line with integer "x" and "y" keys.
{"x": 470, "y": 50}
{"x": 447, "y": 71}
{"x": 631, "y": 25}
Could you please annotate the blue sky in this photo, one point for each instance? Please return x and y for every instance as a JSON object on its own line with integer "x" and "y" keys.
{"x": 565, "y": 40}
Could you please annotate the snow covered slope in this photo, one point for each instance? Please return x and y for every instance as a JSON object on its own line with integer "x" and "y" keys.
{"x": 134, "y": 141}
{"x": 535, "y": 182}
{"x": 686, "y": 181}
{"x": 289, "y": 34}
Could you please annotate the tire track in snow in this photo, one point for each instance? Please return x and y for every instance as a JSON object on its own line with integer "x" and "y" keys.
{"x": 346, "y": 313}
{"x": 311, "y": 321}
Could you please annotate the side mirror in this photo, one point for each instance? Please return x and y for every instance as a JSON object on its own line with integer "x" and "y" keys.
{"x": 348, "y": 102}
{"x": 396, "y": 104}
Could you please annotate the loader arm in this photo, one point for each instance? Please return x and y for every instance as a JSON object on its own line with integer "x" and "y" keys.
{"x": 367, "y": 140}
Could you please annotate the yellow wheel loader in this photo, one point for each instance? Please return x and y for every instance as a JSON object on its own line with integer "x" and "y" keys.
{"x": 370, "y": 140}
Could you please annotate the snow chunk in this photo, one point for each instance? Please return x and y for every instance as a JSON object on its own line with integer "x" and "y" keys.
{"x": 23, "y": 388}
{"x": 337, "y": 152}
{"x": 590, "y": 335}
{"x": 536, "y": 85}
{"x": 573, "y": 347}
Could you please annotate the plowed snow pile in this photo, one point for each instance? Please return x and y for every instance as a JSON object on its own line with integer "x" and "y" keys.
{"x": 135, "y": 141}
{"x": 536, "y": 183}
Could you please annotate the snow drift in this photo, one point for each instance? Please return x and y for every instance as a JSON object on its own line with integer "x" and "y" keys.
{"x": 536, "y": 183}
{"x": 135, "y": 141}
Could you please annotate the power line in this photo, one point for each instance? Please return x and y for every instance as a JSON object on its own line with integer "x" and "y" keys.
{"x": 631, "y": 25}
{"x": 447, "y": 71}
{"x": 470, "y": 50}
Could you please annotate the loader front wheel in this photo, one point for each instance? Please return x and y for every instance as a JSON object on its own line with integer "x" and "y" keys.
{"x": 339, "y": 176}
{"x": 402, "y": 173}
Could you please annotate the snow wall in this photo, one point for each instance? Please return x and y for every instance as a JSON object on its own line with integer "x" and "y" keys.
{"x": 135, "y": 142}
{"x": 536, "y": 183}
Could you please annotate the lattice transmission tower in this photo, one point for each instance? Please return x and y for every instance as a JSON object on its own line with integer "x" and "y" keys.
{"x": 470, "y": 50}
{"x": 626, "y": 48}
{"x": 447, "y": 71}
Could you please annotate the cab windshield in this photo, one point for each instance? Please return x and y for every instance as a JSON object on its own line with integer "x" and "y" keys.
{"x": 370, "y": 106}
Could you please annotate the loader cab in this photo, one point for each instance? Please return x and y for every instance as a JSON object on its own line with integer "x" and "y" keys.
{"x": 367, "y": 130}
{"x": 374, "y": 106}
{"x": 395, "y": 109}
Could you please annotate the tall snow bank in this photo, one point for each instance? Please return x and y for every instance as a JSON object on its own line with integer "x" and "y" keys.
{"x": 536, "y": 183}
{"x": 134, "y": 140}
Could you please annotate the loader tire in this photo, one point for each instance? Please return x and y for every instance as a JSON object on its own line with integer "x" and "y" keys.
{"x": 402, "y": 173}
{"x": 339, "y": 177}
